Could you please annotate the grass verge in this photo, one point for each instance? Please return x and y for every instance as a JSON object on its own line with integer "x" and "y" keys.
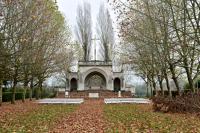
{"x": 39, "y": 120}
{"x": 132, "y": 118}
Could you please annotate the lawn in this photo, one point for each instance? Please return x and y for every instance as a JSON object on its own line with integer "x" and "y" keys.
{"x": 38, "y": 120}
{"x": 140, "y": 118}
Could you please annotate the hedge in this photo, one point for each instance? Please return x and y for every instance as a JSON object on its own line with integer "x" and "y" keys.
{"x": 7, "y": 96}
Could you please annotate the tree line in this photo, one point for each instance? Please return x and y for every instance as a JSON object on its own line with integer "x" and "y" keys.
{"x": 161, "y": 40}
{"x": 104, "y": 31}
{"x": 33, "y": 38}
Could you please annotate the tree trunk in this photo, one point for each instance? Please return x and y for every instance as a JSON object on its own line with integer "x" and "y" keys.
{"x": 37, "y": 93}
{"x": 24, "y": 90}
{"x": 24, "y": 94}
{"x": 161, "y": 85}
{"x": 85, "y": 51}
{"x": 106, "y": 52}
{"x": 151, "y": 89}
{"x": 154, "y": 85}
{"x": 1, "y": 94}
{"x": 14, "y": 85}
{"x": 185, "y": 49}
{"x": 171, "y": 67}
{"x": 189, "y": 77}
{"x": 147, "y": 83}
{"x": 39, "y": 89}
{"x": 14, "y": 91}
{"x": 168, "y": 87}
{"x": 31, "y": 90}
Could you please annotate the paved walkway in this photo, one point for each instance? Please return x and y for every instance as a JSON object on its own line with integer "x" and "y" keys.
{"x": 87, "y": 119}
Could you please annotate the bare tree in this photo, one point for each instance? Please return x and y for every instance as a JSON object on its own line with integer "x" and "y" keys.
{"x": 31, "y": 35}
{"x": 65, "y": 61}
{"x": 84, "y": 28}
{"x": 105, "y": 31}
{"x": 164, "y": 36}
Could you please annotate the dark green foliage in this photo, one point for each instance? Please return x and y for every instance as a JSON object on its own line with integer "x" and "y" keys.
{"x": 48, "y": 93}
{"x": 44, "y": 93}
{"x": 141, "y": 90}
{"x": 7, "y": 96}
{"x": 197, "y": 84}
{"x": 166, "y": 93}
{"x": 186, "y": 87}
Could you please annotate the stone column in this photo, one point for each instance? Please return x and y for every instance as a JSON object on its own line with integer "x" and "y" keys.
{"x": 81, "y": 82}
{"x": 121, "y": 83}
{"x": 69, "y": 84}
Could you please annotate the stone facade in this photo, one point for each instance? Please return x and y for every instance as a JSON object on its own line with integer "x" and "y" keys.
{"x": 102, "y": 70}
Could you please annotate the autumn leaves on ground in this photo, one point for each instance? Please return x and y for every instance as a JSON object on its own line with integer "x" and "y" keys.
{"x": 93, "y": 116}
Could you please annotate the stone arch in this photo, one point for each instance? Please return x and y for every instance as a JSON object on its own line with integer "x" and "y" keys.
{"x": 98, "y": 79}
{"x": 73, "y": 84}
{"x": 117, "y": 84}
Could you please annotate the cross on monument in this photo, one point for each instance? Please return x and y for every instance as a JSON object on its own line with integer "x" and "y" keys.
{"x": 95, "y": 48}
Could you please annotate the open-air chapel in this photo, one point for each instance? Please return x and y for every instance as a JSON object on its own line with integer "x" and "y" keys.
{"x": 99, "y": 66}
{"x": 96, "y": 75}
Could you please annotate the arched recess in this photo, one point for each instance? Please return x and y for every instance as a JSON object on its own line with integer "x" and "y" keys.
{"x": 73, "y": 84}
{"x": 95, "y": 81}
{"x": 117, "y": 84}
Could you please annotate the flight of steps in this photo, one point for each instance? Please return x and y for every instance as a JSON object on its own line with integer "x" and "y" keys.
{"x": 102, "y": 94}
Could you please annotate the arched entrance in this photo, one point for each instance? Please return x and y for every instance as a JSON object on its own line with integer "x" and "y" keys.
{"x": 117, "y": 84}
{"x": 73, "y": 84}
{"x": 95, "y": 81}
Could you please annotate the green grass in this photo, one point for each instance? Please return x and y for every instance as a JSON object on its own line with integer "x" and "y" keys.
{"x": 140, "y": 118}
{"x": 39, "y": 120}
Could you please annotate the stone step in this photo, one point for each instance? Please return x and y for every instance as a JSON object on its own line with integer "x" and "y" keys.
{"x": 101, "y": 93}
{"x": 126, "y": 100}
{"x": 60, "y": 101}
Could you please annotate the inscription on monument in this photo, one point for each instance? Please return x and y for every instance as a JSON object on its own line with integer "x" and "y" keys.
{"x": 93, "y": 95}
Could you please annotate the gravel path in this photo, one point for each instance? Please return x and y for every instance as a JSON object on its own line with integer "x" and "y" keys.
{"x": 87, "y": 119}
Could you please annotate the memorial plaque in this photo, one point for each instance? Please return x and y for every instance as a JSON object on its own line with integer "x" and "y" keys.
{"x": 93, "y": 95}
{"x": 66, "y": 94}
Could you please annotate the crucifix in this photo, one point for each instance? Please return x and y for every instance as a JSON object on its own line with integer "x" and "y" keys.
{"x": 95, "y": 47}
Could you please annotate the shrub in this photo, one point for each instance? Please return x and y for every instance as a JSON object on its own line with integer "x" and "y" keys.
{"x": 189, "y": 102}
{"x": 186, "y": 87}
{"x": 166, "y": 93}
{"x": 197, "y": 84}
{"x": 45, "y": 93}
{"x": 7, "y": 96}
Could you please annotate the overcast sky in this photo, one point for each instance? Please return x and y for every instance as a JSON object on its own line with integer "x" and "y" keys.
{"x": 69, "y": 9}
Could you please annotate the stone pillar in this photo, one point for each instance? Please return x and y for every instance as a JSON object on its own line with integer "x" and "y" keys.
{"x": 69, "y": 84}
{"x": 112, "y": 84}
{"x": 77, "y": 82}
{"x": 123, "y": 84}
{"x": 81, "y": 83}
{"x": 119, "y": 94}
